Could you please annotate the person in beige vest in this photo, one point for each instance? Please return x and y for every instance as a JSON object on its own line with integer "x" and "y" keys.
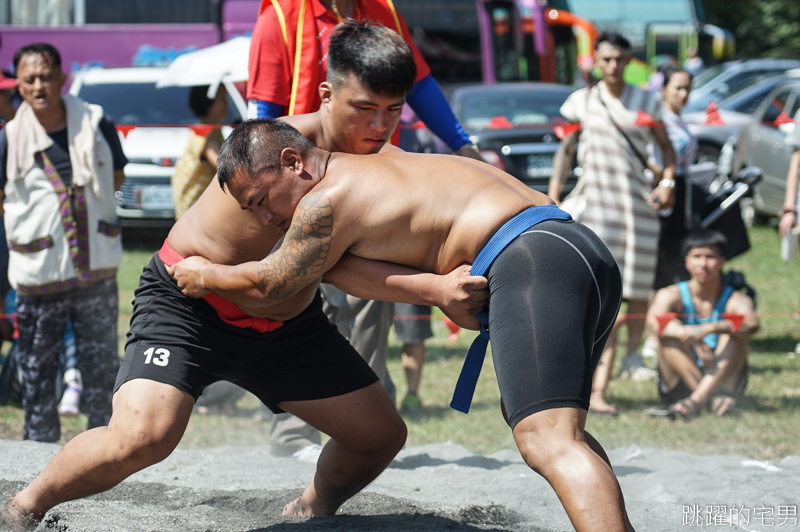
{"x": 61, "y": 163}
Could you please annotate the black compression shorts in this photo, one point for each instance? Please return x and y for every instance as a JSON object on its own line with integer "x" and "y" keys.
{"x": 554, "y": 295}
{"x": 182, "y": 342}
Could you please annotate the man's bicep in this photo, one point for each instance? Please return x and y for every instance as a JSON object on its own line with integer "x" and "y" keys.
{"x": 307, "y": 250}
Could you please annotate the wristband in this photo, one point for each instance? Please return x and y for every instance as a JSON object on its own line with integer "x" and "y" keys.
{"x": 667, "y": 183}
{"x": 466, "y": 146}
{"x": 786, "y": 209}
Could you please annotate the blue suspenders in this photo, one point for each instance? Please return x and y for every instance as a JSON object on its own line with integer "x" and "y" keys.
{"x": 465, "y": 387}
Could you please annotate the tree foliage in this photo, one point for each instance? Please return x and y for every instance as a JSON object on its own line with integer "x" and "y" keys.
{"x": 763, "y": 28}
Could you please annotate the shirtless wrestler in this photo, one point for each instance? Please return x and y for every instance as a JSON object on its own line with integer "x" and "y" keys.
{"x": 287, "y": 354}
{"x": 554, "y": 288}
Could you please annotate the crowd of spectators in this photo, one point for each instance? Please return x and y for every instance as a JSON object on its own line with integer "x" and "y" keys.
{"x": 636, "y": 192}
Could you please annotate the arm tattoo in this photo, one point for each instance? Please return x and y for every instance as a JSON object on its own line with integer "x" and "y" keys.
{"x": 304, "y": 250}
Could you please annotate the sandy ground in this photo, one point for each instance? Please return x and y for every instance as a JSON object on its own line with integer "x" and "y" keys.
{"x": 431, "y": 488}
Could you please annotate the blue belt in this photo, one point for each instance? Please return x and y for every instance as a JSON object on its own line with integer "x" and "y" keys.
{"x": 465, "y": 387}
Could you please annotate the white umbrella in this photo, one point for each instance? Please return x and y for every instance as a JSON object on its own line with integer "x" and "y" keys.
{"x": 209, "y": 66}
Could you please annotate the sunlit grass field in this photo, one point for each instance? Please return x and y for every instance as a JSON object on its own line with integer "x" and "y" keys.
{"x": 764, "y": 425}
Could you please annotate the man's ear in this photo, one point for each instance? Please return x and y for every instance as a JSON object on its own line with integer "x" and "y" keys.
{"x": 290, "y": 158}
{"x": 325, "y": 91}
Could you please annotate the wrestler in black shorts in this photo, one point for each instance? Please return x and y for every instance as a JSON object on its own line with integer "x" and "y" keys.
{"x": 182, "y": 342}
{"x": 554, "y": 296}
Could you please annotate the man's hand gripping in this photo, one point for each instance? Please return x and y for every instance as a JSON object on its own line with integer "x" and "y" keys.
{"x": 188, "y": 273}
{"x": 463, "y": 295}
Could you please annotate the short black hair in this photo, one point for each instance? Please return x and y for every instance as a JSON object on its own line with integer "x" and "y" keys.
{"x": 376, "y": 55}
{"x": 614, "y": 39}
{"x": 671, "y": 71}
{"x": 705, "y": 238}
{"x": 38, "y": 48}
{"x": 255, "y": 146}
{"x": 199, "y": 101}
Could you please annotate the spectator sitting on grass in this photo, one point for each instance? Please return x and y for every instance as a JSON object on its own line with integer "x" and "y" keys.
{"x": 702, "y": 356}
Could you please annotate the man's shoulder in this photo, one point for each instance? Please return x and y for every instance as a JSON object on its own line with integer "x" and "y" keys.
{"x": 669, "y": 298}
{"x": 77, "y": 104}
{"x": 309, "y": 125}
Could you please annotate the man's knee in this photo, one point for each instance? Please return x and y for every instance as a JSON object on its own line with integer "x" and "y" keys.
{"x": 143, "y": 431}
{"x": 389, "y": 437}
{"x": 546, "y": 439}
{"x": 671, "y": 353}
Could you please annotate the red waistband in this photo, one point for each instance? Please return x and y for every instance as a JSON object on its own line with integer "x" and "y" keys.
{"x": 227, "y": 311}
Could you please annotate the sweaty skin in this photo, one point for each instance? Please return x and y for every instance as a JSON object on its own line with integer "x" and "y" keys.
{"x": 428, "y": 212}
{"x": 398, "y": 218}
{"x": 218, "y": 229}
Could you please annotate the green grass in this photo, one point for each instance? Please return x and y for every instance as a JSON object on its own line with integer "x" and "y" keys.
{"x": 764, "y": 425}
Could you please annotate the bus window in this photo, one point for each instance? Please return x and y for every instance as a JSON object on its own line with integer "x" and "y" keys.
{"x": 566, "y": 55}
{"x": 504, "y": 39}
{"x": 642, "y": 11}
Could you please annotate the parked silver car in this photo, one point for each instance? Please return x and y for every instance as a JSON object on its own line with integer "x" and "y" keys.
{"x": 130, "y": 97}
{"x": 735, "y": 111}
{"x": 762, "y": 143}
{"x": 719, "y": 81}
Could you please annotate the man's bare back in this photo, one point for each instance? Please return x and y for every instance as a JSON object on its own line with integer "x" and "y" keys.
{"x": 429, "y": 212}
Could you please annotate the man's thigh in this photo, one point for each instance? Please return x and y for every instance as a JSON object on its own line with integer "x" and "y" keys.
{"x": 732, "y": 351}
{"x": 153, "y": 411}
{"x": 675, "y": 362}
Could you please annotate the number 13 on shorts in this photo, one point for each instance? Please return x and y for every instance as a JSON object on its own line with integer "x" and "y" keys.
{"x": 161, "y": 356}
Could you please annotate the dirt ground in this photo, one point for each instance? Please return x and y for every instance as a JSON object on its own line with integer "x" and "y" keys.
{"x": 432, "y": 488}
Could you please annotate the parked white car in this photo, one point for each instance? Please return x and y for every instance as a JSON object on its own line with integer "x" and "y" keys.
{"x": 130, "y": 97}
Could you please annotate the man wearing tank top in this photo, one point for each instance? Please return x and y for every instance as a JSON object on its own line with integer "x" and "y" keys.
{"x": 702, "y": 351}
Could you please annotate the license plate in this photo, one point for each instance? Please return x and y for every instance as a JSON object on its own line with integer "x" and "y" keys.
{"x": 540, "y": 165}
{"x": 153, "y": 196}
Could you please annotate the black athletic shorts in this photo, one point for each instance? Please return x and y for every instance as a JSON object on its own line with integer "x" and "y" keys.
{"x": 182, "y": 342}
{"x": 554, "y": 295}
{"x": 412, "y": 323}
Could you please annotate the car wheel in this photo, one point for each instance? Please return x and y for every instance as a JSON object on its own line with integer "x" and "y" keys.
{"x": 708, "y": 153}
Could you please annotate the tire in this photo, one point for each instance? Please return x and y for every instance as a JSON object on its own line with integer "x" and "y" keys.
{"x": 708, "y": 153}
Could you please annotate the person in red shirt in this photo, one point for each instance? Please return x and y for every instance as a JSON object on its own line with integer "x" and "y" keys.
{"x": 292, "y": 32}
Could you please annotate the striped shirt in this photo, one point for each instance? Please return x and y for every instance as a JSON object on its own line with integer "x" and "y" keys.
{"x": 611, "y": 195}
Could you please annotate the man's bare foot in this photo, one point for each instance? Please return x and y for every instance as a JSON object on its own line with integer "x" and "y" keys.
{"x": 16, "y": 518}
{"x": 298, "y": 508}
{"x": 599, "y": 406}
{"x": 604, "y": 409}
